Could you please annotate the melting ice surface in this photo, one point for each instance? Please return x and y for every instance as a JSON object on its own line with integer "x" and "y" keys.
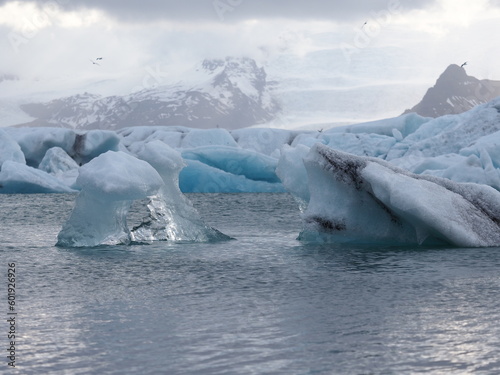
{"x": 361, "y": 199}
{"x": 112, "y": 181}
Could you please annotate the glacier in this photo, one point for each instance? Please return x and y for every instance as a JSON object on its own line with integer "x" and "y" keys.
{"x": 461, "y": 148}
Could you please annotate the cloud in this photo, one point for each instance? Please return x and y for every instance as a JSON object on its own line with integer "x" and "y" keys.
{"x": 53, "y": 40}
{"x": 234, "y": 10}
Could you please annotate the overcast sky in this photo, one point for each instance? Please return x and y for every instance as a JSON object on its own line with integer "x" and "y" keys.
{"x": 233, "y": 10}
{"x": 49, "y": 43}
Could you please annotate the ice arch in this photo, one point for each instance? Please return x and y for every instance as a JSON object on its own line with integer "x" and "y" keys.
{"x": 110, "y": 183}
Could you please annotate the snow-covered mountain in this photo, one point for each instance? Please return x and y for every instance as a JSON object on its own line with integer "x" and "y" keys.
{"x": 230, "y": 93}
{"x": 455, "y": 92}
{"x": 318, "y": 90}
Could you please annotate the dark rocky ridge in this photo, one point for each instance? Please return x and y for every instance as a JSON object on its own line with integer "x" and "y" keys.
{"x": 455, "y": 92}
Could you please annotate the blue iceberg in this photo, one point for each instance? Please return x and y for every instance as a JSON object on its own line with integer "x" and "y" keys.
{"x": 214, "y": 169}
{"x": 18, "y": 178}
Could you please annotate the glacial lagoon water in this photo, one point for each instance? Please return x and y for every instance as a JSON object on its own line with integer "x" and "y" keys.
{"x": 263, "y": 303}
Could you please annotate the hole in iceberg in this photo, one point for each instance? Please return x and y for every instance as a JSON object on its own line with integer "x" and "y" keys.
{"x": 113, "y": 181}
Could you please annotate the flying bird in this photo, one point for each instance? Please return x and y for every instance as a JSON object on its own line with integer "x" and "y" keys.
{"x": 465, "y": 63}
{"x": 93, "y": 62}
{"x": 364, "y": 24}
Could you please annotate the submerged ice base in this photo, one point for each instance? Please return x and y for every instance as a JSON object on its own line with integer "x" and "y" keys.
{"x": 173, "y": 220}
{"x": 357, "y": 199}
{"x": 172, "y": 216}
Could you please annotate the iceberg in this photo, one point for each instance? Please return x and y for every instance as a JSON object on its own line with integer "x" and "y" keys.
{"x": 215, "y": 162}
{"x": 109, "y": 183}
{"x": 134, "y": 138}
{"x": 59, "y": 164}
{"x": 172, "y": 216}
{"x": 447, "y": 135}
{"x": 250, "y": 164}
{"x": 18, "y": 178}
{"x": 35, "y": 142}
{"x": 56, "y": 160}
{"x": 224, "y": 169}
{"x": 355, "y": 199}
{"x": 198, "y": 177}
{"x": 10, "y": 150}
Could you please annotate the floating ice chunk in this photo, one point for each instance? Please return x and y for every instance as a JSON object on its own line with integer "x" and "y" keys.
{"x": 9, "y": 149}
{"x": 172, "y": 216}
{"x": 59, "y": 164}
{"x": 358, "y": 199}
{"x": 57, "y": 161}
{"x": 134, "y": 138}
{"x": 477, "y": 169}
{"x": 35, "y": 142}
{"x": 460, "y": 168}
{"x": 109, "y": 184}
{"x": 449, "y": 134}
{"x": 198, "y": 177}
{"x": 237, "y": 161}
{"x": 479, "y": 163}
{"x": 489, "y": 144}
{"x": 18, "y": 178}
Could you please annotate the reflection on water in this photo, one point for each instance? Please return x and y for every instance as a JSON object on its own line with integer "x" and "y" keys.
{"x": 264, "y": 303}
